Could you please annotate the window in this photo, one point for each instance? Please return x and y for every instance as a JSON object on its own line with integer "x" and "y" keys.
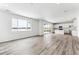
{"x": 21, "y": 25}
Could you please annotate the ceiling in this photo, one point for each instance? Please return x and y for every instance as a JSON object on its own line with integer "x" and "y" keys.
{"x": 51, "y": 12}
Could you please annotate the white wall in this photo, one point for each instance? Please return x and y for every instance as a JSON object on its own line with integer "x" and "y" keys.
{"x": 78, "y": 26}
{"x": 41, "y": 23}
{"x": 74, "y": 30}
{"x": 6, "y": 33}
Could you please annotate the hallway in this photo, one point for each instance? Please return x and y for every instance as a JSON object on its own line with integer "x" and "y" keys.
{"x": 49, "y": 44}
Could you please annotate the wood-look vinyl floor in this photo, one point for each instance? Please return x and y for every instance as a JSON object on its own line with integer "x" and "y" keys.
{"x": 49, "y": 44}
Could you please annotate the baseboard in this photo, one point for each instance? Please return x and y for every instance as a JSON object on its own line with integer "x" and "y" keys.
{"x": 20, "y": 39}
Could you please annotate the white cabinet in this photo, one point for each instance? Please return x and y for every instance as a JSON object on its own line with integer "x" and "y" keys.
{"x": 74, "y": 33}
{"x": 59, "y": 31}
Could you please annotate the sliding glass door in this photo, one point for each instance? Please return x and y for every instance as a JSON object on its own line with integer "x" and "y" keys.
{"x": 47, "y": 28}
